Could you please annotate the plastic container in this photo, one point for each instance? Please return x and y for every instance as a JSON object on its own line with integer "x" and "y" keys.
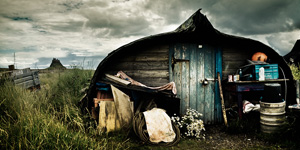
{"x": 261, "y": 74}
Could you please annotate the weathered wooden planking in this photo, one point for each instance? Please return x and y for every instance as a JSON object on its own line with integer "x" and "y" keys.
{"x": 233, "y": 58}
{"x": 147, "y": 73}
{"x": 19, "y": 76}
{"x": 193, "y": 78}
{"x": 108, "y": 119}
{"x": 236, "y": 56}
{"x": 23, "y": 79}
{"x": 185, "y": 83}
{"x": 193, "y": 65}
{"x": 20, "y": 72}
{"x": 209, "y": 73}
{"x": 157, "y": 50}
{"x": 136, "y": 65}
{"x": 200, "y": 77}
{"x": 29, "y": 83}
{"x": 233, "y": 64}
{"x": 229, "y": 71}
{"x": 145, "y": 57}
{"x": 148, "y": 66}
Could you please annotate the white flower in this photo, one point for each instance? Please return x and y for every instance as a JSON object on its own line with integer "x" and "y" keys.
{"x": 191, "y": 123}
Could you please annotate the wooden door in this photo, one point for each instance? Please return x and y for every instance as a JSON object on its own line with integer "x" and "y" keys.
{"x": 193, "y": 68}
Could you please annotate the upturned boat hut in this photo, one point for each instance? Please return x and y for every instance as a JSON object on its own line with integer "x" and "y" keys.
{"x": 190, "y": 56}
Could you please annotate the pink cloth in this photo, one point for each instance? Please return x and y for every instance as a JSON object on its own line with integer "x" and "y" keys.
{"x": 169, "y": 86}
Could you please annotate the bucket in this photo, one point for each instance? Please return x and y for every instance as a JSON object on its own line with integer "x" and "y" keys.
{"x": 272, "y": 93}
{"x": 272, "y": 116}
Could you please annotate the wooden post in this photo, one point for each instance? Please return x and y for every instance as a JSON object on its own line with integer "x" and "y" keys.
{"x": 222, "y": 100}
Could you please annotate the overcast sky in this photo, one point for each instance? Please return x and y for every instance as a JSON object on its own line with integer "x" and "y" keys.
{"x": 84, "y": 31}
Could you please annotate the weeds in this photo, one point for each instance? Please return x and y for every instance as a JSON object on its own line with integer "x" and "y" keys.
{"x": 295, "y": 71}
{"x": 48, "y": 118}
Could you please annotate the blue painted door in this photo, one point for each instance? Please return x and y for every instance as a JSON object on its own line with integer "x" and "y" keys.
{"x": 194, "y": 69}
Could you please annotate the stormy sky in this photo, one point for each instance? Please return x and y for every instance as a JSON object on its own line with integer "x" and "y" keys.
{"x": 83, "y": 32}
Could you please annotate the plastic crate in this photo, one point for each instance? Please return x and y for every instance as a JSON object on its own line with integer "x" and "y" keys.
{"x": 271, "y": 71}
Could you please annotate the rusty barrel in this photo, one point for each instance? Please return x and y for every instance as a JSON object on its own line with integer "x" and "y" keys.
{"x": 272, "y": 116}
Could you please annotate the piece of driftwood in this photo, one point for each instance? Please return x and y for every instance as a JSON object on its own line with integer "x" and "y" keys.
{"x": 116, "y": 79}
{"x": 222, "y": 100}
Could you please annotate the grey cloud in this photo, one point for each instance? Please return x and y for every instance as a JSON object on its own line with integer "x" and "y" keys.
{"x": 68, "y": 26}
{"x": 281, "y": 42}
{"x": 72, "y": 4}
{"x": 117, "y": 24}
{"x": 80, "y": 25}
{"x": 256, "y": 17}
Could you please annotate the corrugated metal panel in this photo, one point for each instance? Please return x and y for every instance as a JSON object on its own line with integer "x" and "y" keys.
{"x": 190, "y": 65}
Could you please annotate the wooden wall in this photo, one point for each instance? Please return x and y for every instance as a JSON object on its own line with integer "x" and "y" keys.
{"x": 233, "y": 58}
{"x": 148, "y": 66}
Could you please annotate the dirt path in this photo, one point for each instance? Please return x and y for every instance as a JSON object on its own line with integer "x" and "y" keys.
{"x": 217, "y": 138}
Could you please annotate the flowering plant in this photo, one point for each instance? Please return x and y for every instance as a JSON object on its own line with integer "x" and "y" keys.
{"x": 190, "y": 124}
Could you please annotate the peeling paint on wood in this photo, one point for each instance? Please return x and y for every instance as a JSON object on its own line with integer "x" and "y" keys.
{"x": 191, "y": 66}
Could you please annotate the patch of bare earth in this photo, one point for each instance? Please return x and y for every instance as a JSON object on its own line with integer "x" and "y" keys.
{"x": 217, "y": 138}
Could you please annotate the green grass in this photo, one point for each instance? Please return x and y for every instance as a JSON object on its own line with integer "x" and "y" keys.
{"x": 49, "y": 118}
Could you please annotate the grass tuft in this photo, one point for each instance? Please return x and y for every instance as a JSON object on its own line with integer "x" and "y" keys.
{"x": 49, "y": 118}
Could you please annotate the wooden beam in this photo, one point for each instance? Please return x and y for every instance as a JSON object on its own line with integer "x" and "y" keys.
{"x": 222, "y": 100}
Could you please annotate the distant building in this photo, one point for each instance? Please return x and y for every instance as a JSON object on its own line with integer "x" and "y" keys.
{"x": 56, "y": 64}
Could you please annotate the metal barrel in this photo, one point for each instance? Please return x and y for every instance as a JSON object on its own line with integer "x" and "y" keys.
{"x": 272, "y": 116}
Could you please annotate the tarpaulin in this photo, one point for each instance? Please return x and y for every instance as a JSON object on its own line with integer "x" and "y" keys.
{"x": 159, "y": 126}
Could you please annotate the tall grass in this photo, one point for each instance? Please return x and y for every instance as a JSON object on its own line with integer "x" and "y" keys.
{"x": 49, "y": 118}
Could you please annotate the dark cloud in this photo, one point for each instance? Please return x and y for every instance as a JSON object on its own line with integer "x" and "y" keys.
{"x": 20, "y": 18}
{"x": 255, "y": 17}
{"x": 72, "y": 4}
{"x": 117, "y": 24}
{"x": 173, "y": 11}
